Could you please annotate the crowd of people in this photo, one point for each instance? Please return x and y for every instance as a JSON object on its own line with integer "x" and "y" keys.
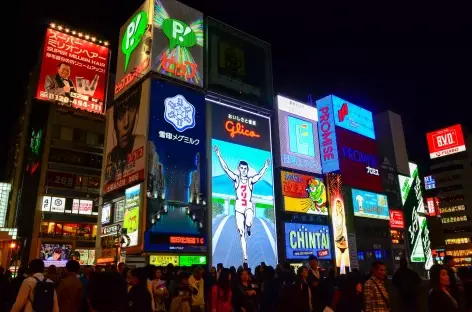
{"x": 267, "y": 289}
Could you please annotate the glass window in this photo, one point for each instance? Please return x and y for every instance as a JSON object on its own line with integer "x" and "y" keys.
{"x": 80, "y": 136}
{"x": 67, "y": 133}
{"x": 56, "y": 131}
{"x": 92, "y": 139}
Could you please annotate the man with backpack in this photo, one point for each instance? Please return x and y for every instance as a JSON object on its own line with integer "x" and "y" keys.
{"x": 36, "y": 293}
{"x": 69, "y": 292}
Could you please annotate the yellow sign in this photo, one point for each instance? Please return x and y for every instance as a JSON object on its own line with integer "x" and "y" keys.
{"x": 163, "y": 260}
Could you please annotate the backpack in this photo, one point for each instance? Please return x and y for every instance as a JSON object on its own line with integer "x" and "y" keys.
{"x": 43, "y": 300}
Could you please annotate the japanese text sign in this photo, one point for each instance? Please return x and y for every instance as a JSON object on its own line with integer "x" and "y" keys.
{"x": 396, "y": 219}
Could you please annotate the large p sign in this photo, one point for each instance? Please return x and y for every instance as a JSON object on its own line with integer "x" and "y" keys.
{"x": 133, "y": 35}
{"x": 178, "y": 33}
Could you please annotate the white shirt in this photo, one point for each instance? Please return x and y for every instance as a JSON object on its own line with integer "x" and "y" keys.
{"x": 198, "y": 299}
{"x": 26, "y": 294}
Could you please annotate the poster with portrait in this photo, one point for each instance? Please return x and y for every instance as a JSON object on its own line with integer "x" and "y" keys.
{"x": 243, "y": 210}
{"x": 126, "y": 139}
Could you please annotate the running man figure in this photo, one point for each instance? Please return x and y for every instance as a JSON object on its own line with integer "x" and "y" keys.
{"x": 243, "y": 185}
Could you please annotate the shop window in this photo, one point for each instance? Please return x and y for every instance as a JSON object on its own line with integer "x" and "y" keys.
{"x": 92, "y": 139}
{"x": 80, "y": 136}
{"x": 67, "y": 134}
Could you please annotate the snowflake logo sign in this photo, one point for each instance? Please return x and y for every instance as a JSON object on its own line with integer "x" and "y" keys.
{"x": 179, "y": 113}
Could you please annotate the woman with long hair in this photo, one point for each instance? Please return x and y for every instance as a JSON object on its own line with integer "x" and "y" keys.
{"x": 222, "y": 293}
{"x": 159, "y": 290}
{"x": 247, "y": 295}
{"x": 439, "y": 298}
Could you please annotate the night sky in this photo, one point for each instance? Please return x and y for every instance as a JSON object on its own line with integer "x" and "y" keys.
{"x": 414, "y": 60}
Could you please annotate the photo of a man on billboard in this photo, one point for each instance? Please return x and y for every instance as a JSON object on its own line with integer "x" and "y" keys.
{"x": 60, "y": 83}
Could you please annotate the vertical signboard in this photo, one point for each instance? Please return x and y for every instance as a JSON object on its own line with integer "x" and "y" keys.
{"x": 73, "y": 72}
{"x": 446, "y": 141}
{"x": 135, "y": 39}
{"x": 396, "y": 219}
{"x": 243, "y": 210}
{"x": 239, "y": 65}
{"x": 303, "y": 193}
{"x": 338, "y": 216}
{"x": 176, "y": 166}
{"x": 126, "y": 140}
{"x": 177, "y": 42}
{"x": 5, "y": 189}
{"x": 327, "y": 135}
{"x": 132, "y": 214}
{"x": 298, "y": 132}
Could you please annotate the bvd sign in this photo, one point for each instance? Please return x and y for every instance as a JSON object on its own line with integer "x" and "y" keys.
{"x": 446, "y": 141}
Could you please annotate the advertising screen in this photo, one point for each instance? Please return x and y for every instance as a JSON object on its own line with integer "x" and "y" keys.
{"x": 177, "y": 41}
{"x": 126, "y": 140}
{"x": 106, "y": 214}
{"x": 298, "y": 132}
{"x": 418, "y": 239}
{"x": 163, "y": 260}
{"x": 192, "y": 260}
{"x": 177, "y": 179}
{"x": 327, "y": 135}
{"x": 73, "y": 72}
{"x": 135, "y": 39}
{"x": 370, "y": 205}
{"x": 353, "y": 118}
{"x": 304, "y": 193}
{"x": 396, "y": 219}
{"x": 239, "y": 65}
{"x": 87, "y": 256}
{"x": 358, "y": 160}
{"x": 429, "y": 182}
{"x": 132, "y": 213}
{"x": 338, "y": 216}
{"x": 445, "y": 142}
{"x": 304, "y": 240}
{"x": 55, "y": 254}
{"x": 243, "y": 210}
{"x": 5, "y": 189}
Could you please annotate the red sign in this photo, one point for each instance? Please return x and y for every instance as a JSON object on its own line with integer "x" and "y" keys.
{"x": 239, "y": 129}
{"x": 396, "y": 219}
{"x": 60, "y": 179}
{"x": 446, "y": 141}
{"x": 132, "y": 76}
{"x": 433, "y": 206}
{"x": 73, "y": 72}
{"x": 187, "y": 240}
{"x": 323, "y": 253}
{"x": 120, "y": 183}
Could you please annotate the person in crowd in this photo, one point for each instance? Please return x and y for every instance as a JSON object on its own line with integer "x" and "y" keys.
{"x": 375, "y": 293}
{"x": 407, "y": 282}
{"x": 219, "y": 268}
{"x": 269, "y": 290}
{"x": 439, "y": 298}
{"x": 348, "y": 296}
{"x": 315, "y": 277}
{"x": 69, "y": 291}
{"x": 128, "y": 278}
{"x": 328, "y": 286}
{"x": 465, "y": 275}
{"x": 150, "y": 271}
{"x": 303, "y": 288}
{"x": 106, "y": 292}
{"x": 198, "y": 296}
{"x": 222, "y": 293}
{"x": 5, "y": 291}
{"x": 121, "y": 267}
{"x": 449, "y": 265}
{"x": 84, "y": 279}
{"x": 28, "y": 297}
{"x": 52, "y": 274}
{"x": 247, "y": 294}
{"x": 159, "y": 290}
{"x": 139, "y": 298}
{"x": 17, "y": 281}
{"x": 182, "y": 296}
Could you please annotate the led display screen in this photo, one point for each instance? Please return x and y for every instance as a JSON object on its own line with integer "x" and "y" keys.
{"x": 132, "y": 213}
{"x": 429, "y": 182}
{"x": 327, "y": 135}
{"x": 192, "y": 260}
{"x": 352, "y": 117}
{"x": 358, "y": 160}
{"x": 298, "y": 132}
{"x": 370, "y": 205}
{"x": 243, "y": 210}
{"x": 55, "y": 254}
{"x": 446, "y": 141}
{"x": 73, "y": 72}
{"x": 338, "y": 216}
{"x": 106, "y": 214}
{"x": 304, "y": 240}
{"x": 177, "y": 179}
{"x": 163, "y": 260}
{"x": 396, "y": 219}
{"x": 303, "y": 193}
{"x": 126, "y": 140}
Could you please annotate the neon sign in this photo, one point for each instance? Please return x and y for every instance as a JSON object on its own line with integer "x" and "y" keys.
{"x": 130, "y": 77}
{"x": 172, "y": 66}
{"x": 187, "y": 240}
{"x": 327, "y": 134}
{"x": 238, "y": 128}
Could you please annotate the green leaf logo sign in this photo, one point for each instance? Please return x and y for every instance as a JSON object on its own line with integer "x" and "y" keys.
{"x": 179, "y": 33}
{"x": 133, "y": 35}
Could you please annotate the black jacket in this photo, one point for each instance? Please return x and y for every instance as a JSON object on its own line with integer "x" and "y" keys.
{"x": 139, "y": 299}
{"x": 439, "y": 301}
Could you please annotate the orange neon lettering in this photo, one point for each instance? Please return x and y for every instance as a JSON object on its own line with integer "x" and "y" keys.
{"x": 239, "y": 129}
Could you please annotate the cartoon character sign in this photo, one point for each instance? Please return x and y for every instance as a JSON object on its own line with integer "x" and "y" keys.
{"x": 303, "y": 193}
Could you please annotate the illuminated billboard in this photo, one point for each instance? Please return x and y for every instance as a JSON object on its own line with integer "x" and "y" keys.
{"x": 433, "y": 206}
{"x": 358, "y": 161}
{"x": 418, "y": 239}
{"x": 298, "y": 132}
{"x": 5, "y": 189}
{"x": 126, "y": 140}
{"x": 327, "y": 135}
{"x": 304, "y": 240}
{"x": 353, "y": 118}
{"x": 370, "y": 205}
{"x": 135, "y": 38}
{"x": 396, "y": 219}
{"x": 132, "y": 214}
{"x": 303, "y": 193}
{"x": 446, "y": 141}
{"x": 177, "y": 41}
{"x": 177, "y": 179}
{"x": 73, "y": 72}
{"x": 338, "y": 216}
{"x": 243, "y": 210}
{"x": 429, "y": 182}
